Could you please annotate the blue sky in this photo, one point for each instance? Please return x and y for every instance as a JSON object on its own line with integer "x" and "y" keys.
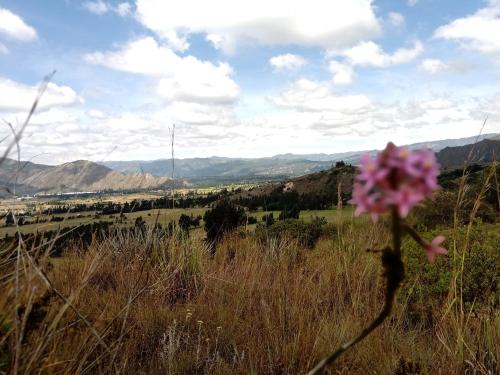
{"x": 246, "y": 79}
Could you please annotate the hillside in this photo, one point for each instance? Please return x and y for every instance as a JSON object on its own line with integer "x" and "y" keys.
{"x": 482, "y": 152}
{"x": 79, "y": 175}
{"x": 318, "y": 190}
{"x": 327, "y": 182}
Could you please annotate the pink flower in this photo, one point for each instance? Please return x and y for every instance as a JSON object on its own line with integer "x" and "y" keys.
{"x": 370, "y": 171}
{"x": 433, "y": 248}
{"x": 405, "y": 199}
{"x": 366, "y": 202}
{"x": 397, "y": 177}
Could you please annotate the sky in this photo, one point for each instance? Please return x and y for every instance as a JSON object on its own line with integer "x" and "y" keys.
{"x": 245, "y": 78}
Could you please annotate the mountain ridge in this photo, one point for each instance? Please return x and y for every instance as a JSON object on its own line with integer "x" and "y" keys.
{"x": 273, "y": 167}
{"x": 83, "y": 175}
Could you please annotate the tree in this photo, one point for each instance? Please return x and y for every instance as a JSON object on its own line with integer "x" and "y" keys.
{"x": 268, "y": 219}
{"x": 224, "y": 218}
{"x": 292, "y": 213}
{"x": 185, "y": 222}
{"x": 9, "y": 219}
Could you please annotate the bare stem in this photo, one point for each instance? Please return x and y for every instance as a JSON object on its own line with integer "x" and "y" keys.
{"x": 394, "y": 274}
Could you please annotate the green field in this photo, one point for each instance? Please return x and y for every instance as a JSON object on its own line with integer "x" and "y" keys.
{"x": 161, "y": 216}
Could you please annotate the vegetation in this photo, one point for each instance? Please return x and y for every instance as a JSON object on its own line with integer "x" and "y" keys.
{"x": 146, "y": 298}
{"x": 139, "y": 302}
{"x": 224, "y": 218}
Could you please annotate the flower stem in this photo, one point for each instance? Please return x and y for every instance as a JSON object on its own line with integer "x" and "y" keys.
{"x": 394, "y": 274}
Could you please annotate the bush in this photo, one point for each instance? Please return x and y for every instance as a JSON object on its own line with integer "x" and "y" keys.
{"x": 307, "y": 234}
{"x": 268, "y": 219}
{"x": 251, "y": 220}
{"x": 186, "y": 222}
{"x": 292, "y": 213}
{"x": 224, "y": 218}
{"x": 427, "y": 282}
{"x": 440, "y": 211}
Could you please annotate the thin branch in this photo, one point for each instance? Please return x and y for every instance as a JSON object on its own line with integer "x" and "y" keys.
{"x": 394, "y": 273}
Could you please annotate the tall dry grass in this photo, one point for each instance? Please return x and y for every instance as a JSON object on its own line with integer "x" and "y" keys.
{"x": 137, "y": 303}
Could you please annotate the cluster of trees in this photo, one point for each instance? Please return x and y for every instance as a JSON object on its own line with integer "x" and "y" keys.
{"x": 279, "y": 200}
{"x": 110, "y": 208}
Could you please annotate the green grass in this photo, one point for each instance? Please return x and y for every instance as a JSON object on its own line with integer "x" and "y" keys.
{"x": 162, "y": 216}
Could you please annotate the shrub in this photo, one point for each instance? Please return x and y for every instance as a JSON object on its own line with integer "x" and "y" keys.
{"x": 428, "y": 284}
{"x": 440, "y": 211}
{"x": 292, "y": 213}
{"x": 307, "y": 234}
{"x": 268, "y": 219}
{"x": 224, "y": 218}
{"x": 186, "y": 222}
{"x": 251, "y": 220}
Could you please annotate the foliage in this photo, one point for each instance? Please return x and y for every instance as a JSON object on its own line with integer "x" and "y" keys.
{"x": 175, "y": 309}
{"x": 291, "y": 213}
{"x": 224, "y": 218}
{"x": 428, "y": 284}
{"x": 441, "y": 210}
{"x": 268, "y": 219}
{"x": 186, "y": 222}
{"x": 307, "y": 234}
{"x": 251, "y": 220}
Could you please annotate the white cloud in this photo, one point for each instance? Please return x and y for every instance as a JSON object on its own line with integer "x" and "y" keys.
{"x": 314, "y": 96}
{"x": 123, "y": 9}
{"x": 434, "y": 66}
{"x": 3, "y": 49}
{"x": 287, "y": 62}
{"x": 228, "y": 23}
{"x": 96, "y": 114}
{"x": 396, "y": 19}
{"x": 371, "y": 54}
{"x": 342, "y": 73}
{"x": 412, "y": 3}
{"x": 479, "y": 31}
{"x": 14, "y": 27}
{"x": 100, "y": 7}
{"x": 17, "y": 97}
{"x": 180, "y": 78}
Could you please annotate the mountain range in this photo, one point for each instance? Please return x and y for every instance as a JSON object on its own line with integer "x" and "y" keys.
{"x": 29, "y": 178}
{"x": 219, "y": 169}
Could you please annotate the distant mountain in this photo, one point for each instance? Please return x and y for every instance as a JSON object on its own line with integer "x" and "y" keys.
{"x": 84, "y": 175}
{"x": 223, "y": 169}
{"x": 278, "y": 167}
{"x": 482, "y": 152}
{"x": 352, "y": 157}
{"x": 75, "y": 176}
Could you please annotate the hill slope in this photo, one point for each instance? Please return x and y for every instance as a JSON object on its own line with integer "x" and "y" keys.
{"x": 482, "y": 152}
{"x": 79, "y": 175}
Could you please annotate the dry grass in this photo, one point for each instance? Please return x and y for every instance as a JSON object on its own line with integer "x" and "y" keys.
{"x": 141, "y": 304}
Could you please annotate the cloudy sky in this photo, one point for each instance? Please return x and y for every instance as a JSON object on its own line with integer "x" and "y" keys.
{"x": 249, "y": 79}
